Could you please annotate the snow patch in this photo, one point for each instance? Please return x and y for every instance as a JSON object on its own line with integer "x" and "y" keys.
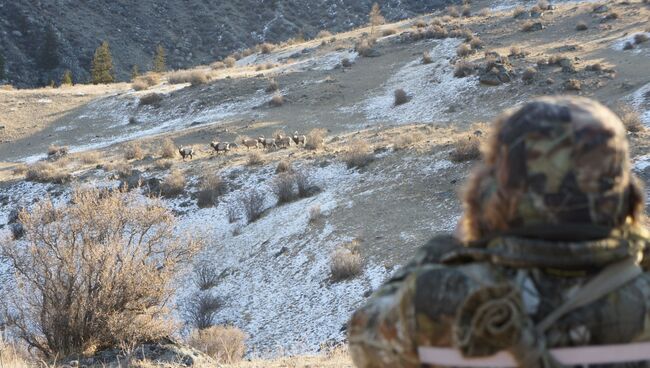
{"x": 619, "y": 44}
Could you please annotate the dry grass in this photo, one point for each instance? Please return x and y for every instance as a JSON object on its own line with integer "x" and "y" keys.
{"x": 335, "y": 358}
{"x": 273, "y": 86}
{"x": 426, "y": 58}
{"x": 464, "y": 50}
{"x": 58, "y": 151}
{"x": 252, "y": 201}
{"x": 476, "y": 43}
{"x": 173, "y": 184}
{"x": 145, "y": 81}
{"x": 640, "y": 38}
{"x": 358, "y": 155}
{"x": 210, "y": 189}
{"x": 133, "y": 151}
{"x": 420, "y": 23}
{"x": 529, "y": 26}
{"x": 463, "y": 69}
{"x": 89, "y": 157}
{"x": 315, "y": 213}
{"x": 466, "y": 11}
{"x": 283, "y": 188}
{"x": 365, "y": 46}
{"x": 452, "y": 11}
{"x": 121, "y": 168}
{"x": 466, "y": 149}
{"x": 163, "y": 164}
{"x": 226, "y": 344}
{"x": 266, "y": 48}
{"x": 47, "y": 172}
{"x": 630, "y": 118}
{"x": 401, "y": 97}
{"x": 529, "y": 74}
{"x": 98, "y": 238}
{"x": 581, "y": 26}
{"x": 19, "y": 169}
{"x": 316, "y": 138}
{"x": 229, "y": 61}
{"x": 167, "y": 148}
{"x": 345, "y": 262}
{"x": 284, "y": 166}
{"x": 518, "y": 11}
{"x": 195, "y": 77}
{"x": 388, "y": 32}
{"x": 324, "y": 34}
{"x": 573, "y": 85}
{"x": 254, "y": 159}
{"x": 346, "y": 63}
{"x": 404, "y": 141}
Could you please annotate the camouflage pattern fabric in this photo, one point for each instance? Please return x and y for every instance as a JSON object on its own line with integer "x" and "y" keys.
{"x": 553, "y": 203}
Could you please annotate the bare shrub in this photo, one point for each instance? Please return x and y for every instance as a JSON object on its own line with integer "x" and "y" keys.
{"x": 573, "y": 85}
{"x": 466, "y": 11}
{"x": 232, "y": 214}
{"x": 530, "y": 26}
{"x": 453, "y": 11}
{"x": 173, "y": 184}
{"x": 324, "y": 34}
{"x": 19, "y": 169}
{"x": 133, "y": 151}
{"x": 518, "y": 11}
{"x": 595, "y": 67}
{"x": 426, "y": 58}
{"x": 168, "y": 149}
{"x": 529, "y": 74}
{"x": 403, "y": 141}
{"x": 517, "y": 52}
{"x": 463, "y": 69}
{"x": 178, "y": 77}
{"x": 388, "y": 32}
{"x": 358, "y": 155}
{"x": 543, "y": 4}
{"x": 107, "y": 248}
{"x": 420, "y": 23}
{"x": 581, "y": 26}
{"x": 273, "y": 86}
{"x": 628, "y": 46}
{"x": 122, "y": 168}
{"x": 254, "y": 158}
{"x": 277, "y": 100}
{"x": 89, "y": 157}
{"x": 226, "y": 344}
{"x": 200, "y": 308}
{"x": 57, "y": 151}
{"x": 164, "y": 164}
{"x": 145, "y": 81}
{"x": 252, "y": 202}
{"x": 314, "y": 213}
{"x": 630, "y": 118}
{"x": 205, "y": 276}
{"x": 484, "y": 12}
{"x": 199, "y": 77}
{"x": 476, "y": 43}
{"x": 283, "y": 187}
{"x": 210, "y": 189}
{"x": 364, "y": 47}
{"x": 217, "y": 65}
{"x": 345, "y": 263}
{"x": 612, "y": 16}
{"x": 46, "y": 172}
{"x": 401, "y": 97}
{"x": 640, "y": 38}
{"x": 316, "y": 138}
{"x": 346, "y": 63}
{"x": 151, "y": 99}
{"x": 284, "y": 166}
{"x": 229, "y": 61}
{"x": 466, "y": 149}
{"x": 266, "y": 48}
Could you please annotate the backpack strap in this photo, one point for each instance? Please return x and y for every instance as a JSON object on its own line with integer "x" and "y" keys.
{"x": 609, "y": 279}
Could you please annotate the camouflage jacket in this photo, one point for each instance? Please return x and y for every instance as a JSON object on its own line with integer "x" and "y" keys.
{"x": 430, "y": 301}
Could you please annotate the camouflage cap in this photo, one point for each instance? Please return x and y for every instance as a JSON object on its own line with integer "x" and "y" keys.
{"x": 555, "y": 160}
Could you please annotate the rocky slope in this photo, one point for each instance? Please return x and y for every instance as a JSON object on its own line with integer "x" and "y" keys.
{"x": 193, "y": 31}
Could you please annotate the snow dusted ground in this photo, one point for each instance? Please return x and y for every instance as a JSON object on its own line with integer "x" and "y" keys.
{"x": 432, "y": 88}
{"x": 619, "y": 44}
{"x": 640, "y": 100}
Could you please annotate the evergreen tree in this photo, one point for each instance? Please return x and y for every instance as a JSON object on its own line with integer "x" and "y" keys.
{"x": 49, "y": 53}
{"x": 376, "y": 19}
{"x": 67, "y": 78}
{"x": 102, "y": 65}
{"x": 135, "y": 72}
{"x": 2, "y": 66}
{"x": 159, "y": 60}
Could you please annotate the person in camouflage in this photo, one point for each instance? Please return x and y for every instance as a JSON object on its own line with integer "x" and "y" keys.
{"x": 553, "y": 204}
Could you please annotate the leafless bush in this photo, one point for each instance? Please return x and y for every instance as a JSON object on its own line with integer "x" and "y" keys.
{"x": 316, "y": 138}
{"x": 133, "y": 151}
{"x": 529, "y": 26}
{"x": 145, "y": 81}
{"x": 476, "y": 43}
{"x": 106, "y": 248}
{"x": 151, "y": 99}
{"x": 364, "y": 47}
{"x": 517, "y": 52}
{"x": 305, "y": 187}
{"x": 229, "y": 61}
{"x": 543, "y": 4}
{"x": 573, "y": 85}
{"x": 19, "y": 169}
{"x": 217, "y": 65}
{"x": 205, "y": 276}
{"x": 211, "y": 188}
{"x": 464, "y": 50}
{"x": 314, "y": 213}
{"x": 225, "y": 344}
{"x": 640, "y": 38}
{"x": 283, "y": 187}
{"x": 426, "y": 58}
{"x": 122, "y": 168}
{"x": 401, "y": 97}
{"x": 595, "y": 67}
{"x": 277, "y": 100}
{"x": 403, "y": 141}
{"x": 266, "y": 48}
{"x": 57, "y": 151}
{"x": 484, "y": 12}
{"x": 231, "y": 212}
{"x": 168, "y": 149}
{"x": 89, "y": 157}
{"x": 345, "y": 264}
{"x": 630, "y": 118}
{"x": 420, "y": 23}
{"x": 284, "y": 166}
{"x": 529, "y": 75}
{"x": 466, "y": 11}
{"x": 46, "y": 172}
{"x": 173, "y": 184}
{"x": 628, "y": 46}
{"x": 273, "y": 86}
{"x": 163, "y": 164}
{"x": 466, "y": 149}
{"x": 254, "y": 158}
{"x": 199, "y": 77}
{"x": 324, "y": 34}
{"x": 346, "y": 63}
{"x": 453, "y": 11}
{"x": 200, "y": 308}
{"x": 581, "y": 26}
{"x": 612, "y": 16}
{"x": 437, "y": 31}
{"x": 463, "y": 69}
{"x": 253, "y": 203}
{"x": 518, "y": 11}
{"x": 358, "y": 154}
{"x": 388, "y": 32}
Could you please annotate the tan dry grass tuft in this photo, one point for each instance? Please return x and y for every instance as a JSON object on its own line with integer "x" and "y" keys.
{"x": 211, "y": 188}
{"x": 133, "y": 151}
{"x": 631, "y": 118}
{"x": 316, "y": 138}
{"x": 277, "y": 100}
{"x": 145, "y": 81}
{"x": 401, "y": 97}
{"x": 345, "y": 262}
{"x": 173, "y": 184}
{"x": 254, "y": 159}
{"x": 167, "y": 148}
{"x": 226, "y": 344}
{"x": 466, "y": 149}
{"x": 358, "y": 155}
{"x": 47, "y": 172}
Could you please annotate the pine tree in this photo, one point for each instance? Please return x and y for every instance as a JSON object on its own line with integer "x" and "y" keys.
{"x": 49, "y": 52}
{"x": 135, "y": 72}
{"x": 66, "y": 80}
{"x": 159, "y": 60}
{"x": 102, "y": 65}
{"x": 2, "y": 67}
{"x": 376, "y": 19}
